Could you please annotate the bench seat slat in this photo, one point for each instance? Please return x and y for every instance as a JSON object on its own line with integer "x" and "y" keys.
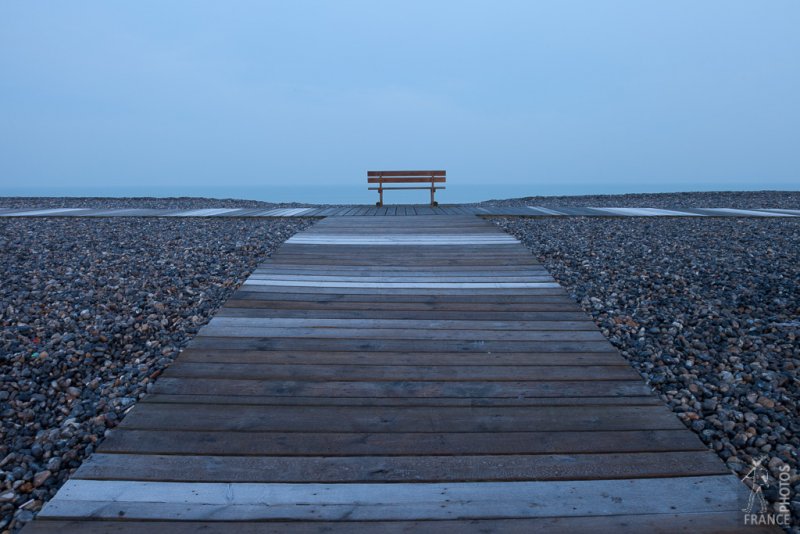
{"x": 385, "y": 188}
{"x": 406, "y": 180}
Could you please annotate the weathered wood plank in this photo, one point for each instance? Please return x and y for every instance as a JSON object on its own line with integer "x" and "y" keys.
{"x": 397, "y": 285}
{"x": 399, "y": 501}
{"x": 537, "y": 289}
{"x": 662, "y": 523}
{"x": 448, "y": 373}
{"x": 328, "y": 311}
{"x": 517, "y": 360}
{"x": 389, "y": 444}
{"x": 400, "y": 279}
{"x": 394, "y": 469}
{"x": 409, "y": 334}
{"x": 223, "y": 321}
{"x": 395, "y": 345}
{"x": 398, "y": 419}
{"x": 488, "y": 301}
{"x": 406, "y": 389}
{"x": 298, "y": 400}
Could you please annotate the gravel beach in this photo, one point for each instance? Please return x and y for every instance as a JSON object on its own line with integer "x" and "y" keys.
{"x": 707, "y": 310}
{"x": 139, "y": 202}
{"x": 91, "y": 311}
{"x": 707, "y": 199}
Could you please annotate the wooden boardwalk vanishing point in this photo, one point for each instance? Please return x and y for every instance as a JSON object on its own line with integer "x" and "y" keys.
{"x": 393, "y": 375}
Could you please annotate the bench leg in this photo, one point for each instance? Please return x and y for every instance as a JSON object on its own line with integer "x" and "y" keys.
{"x": 380, "y": 201}
{"x": 433, "y": 201}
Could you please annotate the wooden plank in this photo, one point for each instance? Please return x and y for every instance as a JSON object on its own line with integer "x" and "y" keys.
{"x": 487, "y": 255}
{"x": 483, "y": 256}
{"x": 405, "y": 260}
{"x": 397, "y": 257}
{"x": 401, "y": 285}
{"x": 390, "y": 276}
{"x": 260, "y": 400}
{"x": 399, "y": 240}
{"x": 419, "y": 224}
{"x": 404, "y": 389}
{"x": 407, "y": 231}
{"x": 409, "y": 334}
{"x": 399, "y": 501}
{"x": 246, "y": 298}
{"x": 51, "y": 212}
{"x": 386, "y": 261}
{"x": 476, "y": 345}
{"x": 795, "y": 213}
{"x": 494, "y": 297}
{"x": 398, "y": 419}
{"x": 383, "y": 444}
{"x": 330, "y": 311}
{"x": 385, "y": 188}
{"x": 434, "y": 324}
{"x": 741, "y": 212}
{"x": 446, "y": 373}
{"x": 662, "y": 523}
{"x": 366, "y": 273}
{"x": 498, "y": 292}
{"x": 295, "y": 357}
{"x": 488, "y": 248}
{"x": 395, "y": 279}
{"x": 394, "y": 469}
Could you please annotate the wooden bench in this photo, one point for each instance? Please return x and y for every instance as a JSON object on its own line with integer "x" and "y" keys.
{"x": 429, "y": 178}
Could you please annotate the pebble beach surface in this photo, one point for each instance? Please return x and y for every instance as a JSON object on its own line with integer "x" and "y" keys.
{"x": 704, "y": 199}
{"x": 185, "y": 203}
{"x": 91, "y": 311}
{"x": 707, "y": 310}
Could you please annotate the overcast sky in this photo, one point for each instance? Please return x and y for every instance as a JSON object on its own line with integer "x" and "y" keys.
{"x": 560, "y": 96}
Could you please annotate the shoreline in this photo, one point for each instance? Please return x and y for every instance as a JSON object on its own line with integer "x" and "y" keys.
{"x": 727, "y": 199}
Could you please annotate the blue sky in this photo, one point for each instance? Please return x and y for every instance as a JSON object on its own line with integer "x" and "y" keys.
{"x": 245, "y": 98}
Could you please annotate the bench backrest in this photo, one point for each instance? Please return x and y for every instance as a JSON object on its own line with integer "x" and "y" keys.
{"x": 406, "y": 177}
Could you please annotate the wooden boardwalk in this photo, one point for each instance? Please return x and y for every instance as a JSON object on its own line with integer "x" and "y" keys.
{"x": 378, "y": 376}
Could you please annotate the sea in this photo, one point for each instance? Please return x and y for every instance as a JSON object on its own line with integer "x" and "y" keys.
{"x": 344, "y": 193}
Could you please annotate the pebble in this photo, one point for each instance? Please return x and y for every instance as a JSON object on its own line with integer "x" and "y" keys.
{"x": 765, "y": 402}
{"x": 40, "y": 478}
